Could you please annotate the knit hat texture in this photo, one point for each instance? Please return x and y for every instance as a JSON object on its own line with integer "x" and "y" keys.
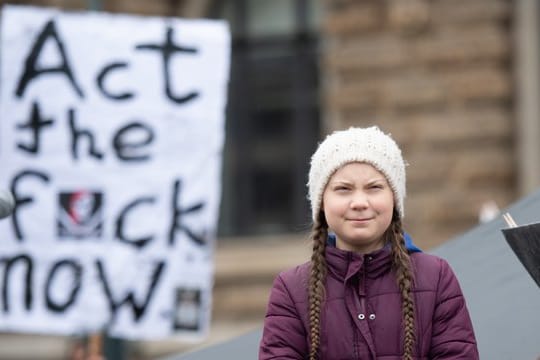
{"x": 368, "y": 145}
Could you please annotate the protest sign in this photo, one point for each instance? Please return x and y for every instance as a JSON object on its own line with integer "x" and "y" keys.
{"x": 111, "y": 137}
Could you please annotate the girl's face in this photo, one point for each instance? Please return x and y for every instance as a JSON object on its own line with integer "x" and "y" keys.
{"x": 358, "y": 204}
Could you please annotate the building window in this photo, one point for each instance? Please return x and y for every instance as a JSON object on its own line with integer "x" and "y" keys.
{"x": 272, "y": 115}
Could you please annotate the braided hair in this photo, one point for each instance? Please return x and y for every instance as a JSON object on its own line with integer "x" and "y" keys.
{"x": 317, "y": 278}
{"x": 401, "y": 265}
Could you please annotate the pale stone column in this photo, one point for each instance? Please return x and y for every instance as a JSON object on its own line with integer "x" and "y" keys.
{"x": 527, "y": 66}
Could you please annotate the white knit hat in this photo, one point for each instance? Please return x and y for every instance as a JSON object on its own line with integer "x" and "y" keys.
{"x": 368, "y": 145}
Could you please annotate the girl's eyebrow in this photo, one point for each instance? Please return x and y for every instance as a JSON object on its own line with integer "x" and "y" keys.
{"x": 348, "y": 182}
{"x": 340, "y": 181}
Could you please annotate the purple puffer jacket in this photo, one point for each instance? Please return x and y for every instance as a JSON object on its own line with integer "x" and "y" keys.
{"x": 361, "y": 317}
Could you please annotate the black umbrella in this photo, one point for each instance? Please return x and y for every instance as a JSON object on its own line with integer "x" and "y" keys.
{"x": 525, "y": 242}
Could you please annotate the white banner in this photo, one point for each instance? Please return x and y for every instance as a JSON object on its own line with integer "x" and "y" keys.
{"x": 111, "y": 137}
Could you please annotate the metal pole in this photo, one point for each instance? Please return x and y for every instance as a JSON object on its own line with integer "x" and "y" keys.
{"x": 114, "y": 348}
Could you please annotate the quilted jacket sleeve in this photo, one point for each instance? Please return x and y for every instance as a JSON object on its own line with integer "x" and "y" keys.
{"x": 284, "y": 335}
{"x": 453, "y": 335}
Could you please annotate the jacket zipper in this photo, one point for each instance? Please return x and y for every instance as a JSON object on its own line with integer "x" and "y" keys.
{"x": 362, "y": 294}
{"x": 363, "y": 298}
{"x": 356, "y": 341}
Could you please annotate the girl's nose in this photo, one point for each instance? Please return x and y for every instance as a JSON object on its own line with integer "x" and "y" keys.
{"x": 359, "y": 201}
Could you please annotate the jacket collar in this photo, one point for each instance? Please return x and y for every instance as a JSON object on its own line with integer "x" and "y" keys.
{"x": 409, "y": 244}
{"x": 346, "y": 264}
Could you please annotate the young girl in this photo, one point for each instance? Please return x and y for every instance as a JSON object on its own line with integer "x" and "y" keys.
{"x": 368, "y": 292}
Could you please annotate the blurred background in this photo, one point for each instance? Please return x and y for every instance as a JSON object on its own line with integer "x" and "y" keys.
{"x": 455, "y": 82}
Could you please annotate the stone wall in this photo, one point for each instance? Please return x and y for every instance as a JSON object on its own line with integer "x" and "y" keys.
{"x": 437, "y": 75}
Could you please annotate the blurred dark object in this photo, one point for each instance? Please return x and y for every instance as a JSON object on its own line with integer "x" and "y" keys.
{"x": 7, "y": 203}
{"x": 525, "y": 242}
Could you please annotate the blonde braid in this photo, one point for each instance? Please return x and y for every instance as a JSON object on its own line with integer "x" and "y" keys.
{"x": 404, "y": 276}
{"x": 319, "y": 234}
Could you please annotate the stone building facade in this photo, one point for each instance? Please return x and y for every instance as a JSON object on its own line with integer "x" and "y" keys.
{"x": 438, "y": 76}
{"x": 450, "y": 79}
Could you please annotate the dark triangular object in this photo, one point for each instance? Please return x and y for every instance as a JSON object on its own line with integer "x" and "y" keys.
{"x": 525, "y": 242}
